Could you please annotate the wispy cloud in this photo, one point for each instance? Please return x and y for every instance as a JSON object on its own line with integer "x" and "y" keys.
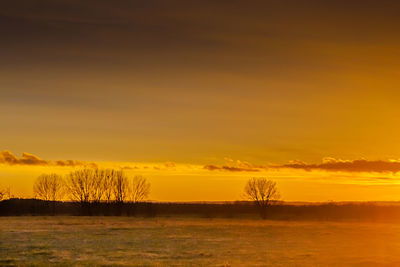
{"x": 328, "y": 164}
{"x": 235, "y": 166}
{"x": 230, "y": 165}
{"x": 6, "y": 157}
{"x": 26, "y": 159}
{"x": 229, "y": 168}
{"x": 360, "y": 165}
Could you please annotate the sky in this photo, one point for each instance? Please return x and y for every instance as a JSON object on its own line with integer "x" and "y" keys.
{"x": 199, "y": 96}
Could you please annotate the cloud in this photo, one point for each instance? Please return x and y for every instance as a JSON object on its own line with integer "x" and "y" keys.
{"x": 328, "y": 164}
{"x": 212, "y": 167}
{"x": 6, "y": 157}
{"x": 73, "y": 163}
{"x": 360, "y": 165}
{"x": 170, "y": 164}
{"x": 130, "y": 167}
{"x": 26, "y": 159}
{"x": 235, "y": 166}
{"x": 229, "y": 168}
{"x": 167, "y": 166}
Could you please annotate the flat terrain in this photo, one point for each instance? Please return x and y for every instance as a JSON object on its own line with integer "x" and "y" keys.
{"x": 129, "y": 241}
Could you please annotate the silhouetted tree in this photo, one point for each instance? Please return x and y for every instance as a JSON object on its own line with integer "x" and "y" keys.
{"x": 80, "y": 185}
{"x": 107, "y": 185}
{"x": 97, "y": 190}
{"x": 49, "y": 187}
{"x": 120, "y": 186}
{"x": 2, "y": 194}
{"x": 92, "y": 186}
{"x": 140, "y": 189}
{"x": 7, "y": 193}
{"x": 262, "y": 192}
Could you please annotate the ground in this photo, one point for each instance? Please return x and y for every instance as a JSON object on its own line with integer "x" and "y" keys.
{"x": 129, "y": 241}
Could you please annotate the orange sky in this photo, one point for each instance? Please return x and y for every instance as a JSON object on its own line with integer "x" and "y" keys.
{"x": 200, "y": 83}
{"x": 330, "y": 180}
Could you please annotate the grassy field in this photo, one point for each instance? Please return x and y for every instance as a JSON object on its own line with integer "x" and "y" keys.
{"x": 128, "y": 241}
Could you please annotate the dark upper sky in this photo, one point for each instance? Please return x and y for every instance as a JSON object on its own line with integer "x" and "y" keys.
{"x": 202, "y": 35}
{"x": 194, "y": 80}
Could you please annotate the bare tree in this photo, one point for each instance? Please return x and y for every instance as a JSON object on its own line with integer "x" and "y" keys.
{"x": 120, "y": 186}
{"x": 3, "y": 194}
{"x": 97, "y": 190}
{"x": 81, "y": 185}
{"x": 6, "y": 193}
{"x": 262, "y": 192}
{"x": 92, "y": 186}
{"x": 140, "y": 189}
{"x": 107, "y": 185}
{"x": 49, "y": 187}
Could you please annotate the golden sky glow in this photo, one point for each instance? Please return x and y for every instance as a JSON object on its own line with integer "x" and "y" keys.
{"x": 329, "y": 180}
{"x": 201, "y": 83}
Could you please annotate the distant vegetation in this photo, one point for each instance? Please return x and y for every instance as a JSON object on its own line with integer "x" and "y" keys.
{"x": 92, "y": 186}
{"x": 5, "y": 194}
{"x": 242, "y": 209}
{"x": 49, "y": 187}
{"x": 95, "y": 192}
{"x": 262, "y": 192}
{"x": 109, "y": 192}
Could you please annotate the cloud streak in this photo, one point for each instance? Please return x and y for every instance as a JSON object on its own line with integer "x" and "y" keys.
{"x": 360, "y": 165}
{"x": 328, "y": 164}
{"x": 6, "y": 157}
{"x": 235, "y": 166}
{"x": 229, "y": 168}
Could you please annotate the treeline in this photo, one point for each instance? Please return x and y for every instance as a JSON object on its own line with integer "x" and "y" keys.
{"x": 92, "y": 186}
{"x": 37, "y": 207}
{"x": 90, "y": 192}
{"x": 5, "y": 193}
{"x": 110, "y": 192}
{"x": 244, "y": 210}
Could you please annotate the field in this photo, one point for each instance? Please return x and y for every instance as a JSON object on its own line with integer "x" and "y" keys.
{"x": 184, "y": 241}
